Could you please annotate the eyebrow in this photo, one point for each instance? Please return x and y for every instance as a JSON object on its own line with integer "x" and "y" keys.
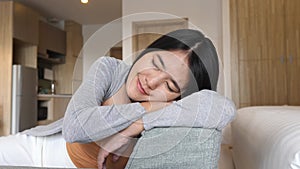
{"x": 163, "y": 65}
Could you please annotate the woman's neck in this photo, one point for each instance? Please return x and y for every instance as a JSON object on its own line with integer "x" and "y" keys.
{"x": 120, "y": 97}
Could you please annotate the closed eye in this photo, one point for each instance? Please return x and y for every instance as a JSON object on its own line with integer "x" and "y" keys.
{"x": 172, "y": 80}
{"x": 169, "y": 88}
{"x": 154, "y": 64}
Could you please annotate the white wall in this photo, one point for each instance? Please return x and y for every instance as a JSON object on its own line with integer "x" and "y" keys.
{"x": 89, "y": 30}
{"x": 226, "y": 47}
{"x": 98, "y": 39}
{"x": 205, "y": 15}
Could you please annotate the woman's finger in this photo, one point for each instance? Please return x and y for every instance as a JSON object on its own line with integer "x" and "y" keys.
{"x": 115, "y": 157}
{"x": 101, "y": 158}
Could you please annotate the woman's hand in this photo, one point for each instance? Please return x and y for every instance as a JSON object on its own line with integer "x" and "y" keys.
{"x": 153, "y": 106}
{"x": 118, "y": 145}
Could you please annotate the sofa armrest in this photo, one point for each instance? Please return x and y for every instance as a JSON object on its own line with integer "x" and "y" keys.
{"x": 177, "y": 147}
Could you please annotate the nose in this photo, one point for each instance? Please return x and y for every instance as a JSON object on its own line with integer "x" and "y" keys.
{"x": 155, "y": 79}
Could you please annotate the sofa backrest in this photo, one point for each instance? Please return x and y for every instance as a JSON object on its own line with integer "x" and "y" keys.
{"x": 177, "y": 147}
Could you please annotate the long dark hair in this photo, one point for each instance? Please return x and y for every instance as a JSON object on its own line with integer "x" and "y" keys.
{"x": 202, "y": 57}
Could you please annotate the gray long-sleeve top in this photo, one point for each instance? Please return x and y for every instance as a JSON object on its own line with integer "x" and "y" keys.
{"x": 86, "y": 121}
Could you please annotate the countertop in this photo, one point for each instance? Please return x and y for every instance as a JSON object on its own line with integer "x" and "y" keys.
{"x": 54, "y": 95}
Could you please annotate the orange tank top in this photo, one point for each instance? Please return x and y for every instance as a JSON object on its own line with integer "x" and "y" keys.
{"x": 85, "y": 156}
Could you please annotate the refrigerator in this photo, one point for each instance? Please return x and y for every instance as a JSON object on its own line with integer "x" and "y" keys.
{"x": 24, "y": 98}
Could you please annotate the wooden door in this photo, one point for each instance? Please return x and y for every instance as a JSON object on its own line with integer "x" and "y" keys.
{"x": 293, "y": 51}
{"x": 275, "y": 70}
{"x": 260, "y": 48}
{"x": 148, "y": 31}
{"x": 116, "y": 52}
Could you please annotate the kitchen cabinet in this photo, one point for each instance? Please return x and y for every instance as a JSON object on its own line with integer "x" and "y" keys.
{"x": 51, "y": 39}
{"x": 54, "y": 107}
{"x": 25, "y": 24}
{"x": 265, "y": 52}
{"x": 24, "y": 53}
{"x": 25, "y": 35}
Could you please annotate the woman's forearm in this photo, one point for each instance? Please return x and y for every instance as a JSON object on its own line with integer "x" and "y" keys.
{"x": 134, "y": 129}
{"x": 138, "y": 126}
{"x": 206, "y": 109}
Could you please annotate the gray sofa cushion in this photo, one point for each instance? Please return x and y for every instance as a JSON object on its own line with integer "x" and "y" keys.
{"x": 177, "y": 148}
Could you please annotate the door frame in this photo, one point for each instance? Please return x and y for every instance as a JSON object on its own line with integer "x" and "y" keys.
{"x": 138, "y": 26}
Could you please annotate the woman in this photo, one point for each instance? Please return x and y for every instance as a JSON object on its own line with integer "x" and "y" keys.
{"x": 116, "y": 102}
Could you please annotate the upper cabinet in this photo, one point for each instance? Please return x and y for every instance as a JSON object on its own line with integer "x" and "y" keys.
{"x": 25, "y": 29}
{"x": 28, "y": 28}
{"x": 51, "y": 39}
{"x": 25, "y": 24}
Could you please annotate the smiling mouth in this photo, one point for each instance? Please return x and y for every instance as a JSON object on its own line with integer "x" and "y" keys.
{"x": 141, "y": 89}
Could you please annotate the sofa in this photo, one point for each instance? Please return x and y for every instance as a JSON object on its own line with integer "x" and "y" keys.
{"x": 173, "y": 148}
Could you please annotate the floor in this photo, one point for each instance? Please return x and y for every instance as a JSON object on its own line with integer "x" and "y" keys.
{"x": 226, "y": 161}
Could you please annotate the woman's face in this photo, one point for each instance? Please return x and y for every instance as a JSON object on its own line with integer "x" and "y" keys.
{"x": 158, "y": 76}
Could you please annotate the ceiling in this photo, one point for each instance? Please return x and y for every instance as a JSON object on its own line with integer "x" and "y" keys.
{"x": 95, "y": 12}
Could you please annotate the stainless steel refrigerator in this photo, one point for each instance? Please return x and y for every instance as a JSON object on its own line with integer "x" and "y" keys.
{"x": 24, "y": 98}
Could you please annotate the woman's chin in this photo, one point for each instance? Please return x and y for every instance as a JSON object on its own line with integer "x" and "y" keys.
{"x": 137, "y": 98}
{"x": 141, "y": 99}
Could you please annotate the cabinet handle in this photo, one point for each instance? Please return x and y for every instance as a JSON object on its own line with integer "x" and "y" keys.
{"x": 282, "y": 59}
{"x": 291, "y": 59}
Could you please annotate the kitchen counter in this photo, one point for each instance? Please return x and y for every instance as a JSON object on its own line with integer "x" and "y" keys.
{"x": 56, "y": 105}
{"x": 54, "y": 95}
{"x": 48, "y": 96}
